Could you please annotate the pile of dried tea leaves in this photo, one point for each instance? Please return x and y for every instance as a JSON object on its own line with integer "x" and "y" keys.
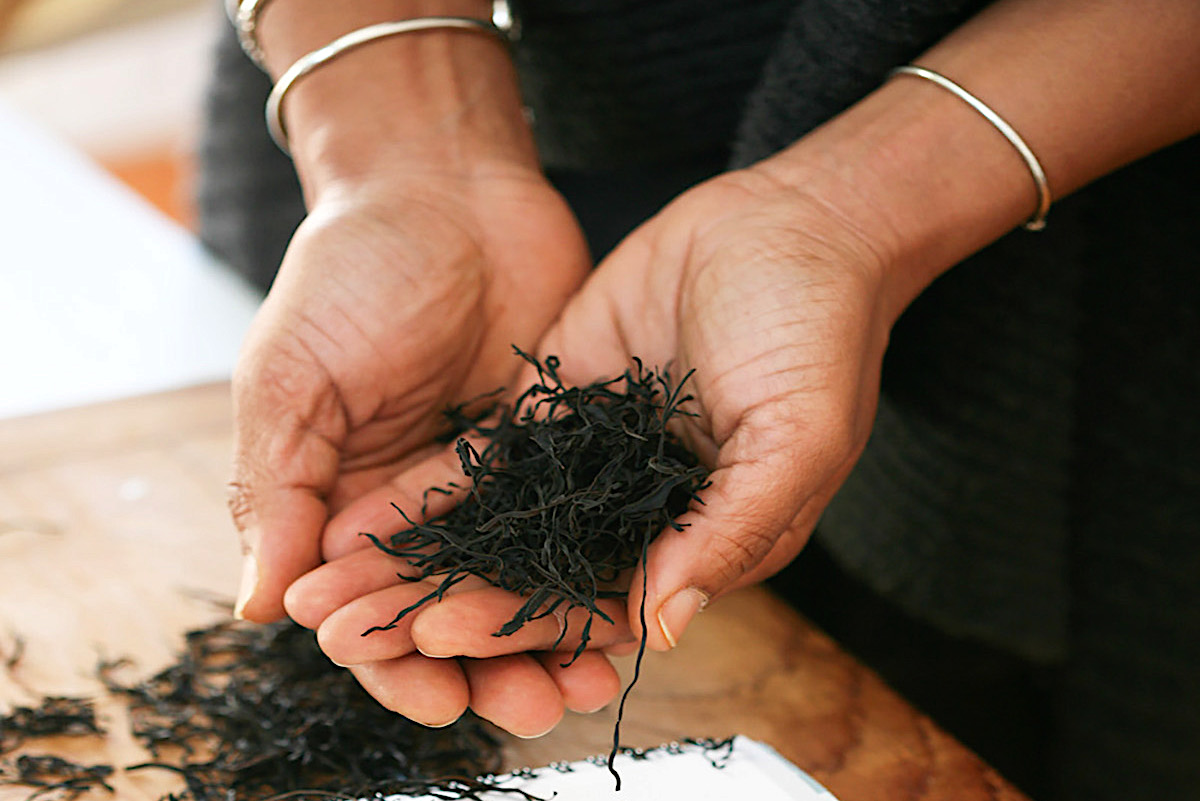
{"x": 54, "y": 776}
{"x": 55, "y": 716}
{"x": 257, "y": 712}
{"x": 573, "y": 484}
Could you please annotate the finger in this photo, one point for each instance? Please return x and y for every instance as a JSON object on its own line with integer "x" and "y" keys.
{"x": 280, "y": 545}
{"x": 287, "y": 435}
{"x": 367, "y": 629}
{"x": 421, "y": 492}
{"x": 467, "y": 623}
{"x": 746, "y": 509}
{"x": 622, "y": 649}
{"x": 514, "y": 692}
{"x": 791, "y": 542}
{"x": 588, "y": 684}
{"x": 317, "y": 594}
{"x": 432, "y": 692}
{"x": 751, "y": 507}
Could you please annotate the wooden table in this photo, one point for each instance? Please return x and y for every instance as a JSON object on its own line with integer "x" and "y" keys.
{"x": 114, "y": 539}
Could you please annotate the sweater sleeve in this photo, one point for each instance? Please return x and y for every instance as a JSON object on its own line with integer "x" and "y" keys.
{"x": 830, "y": 54}
{"x": 620, "y": 83}
{"x": 247, "y": 197}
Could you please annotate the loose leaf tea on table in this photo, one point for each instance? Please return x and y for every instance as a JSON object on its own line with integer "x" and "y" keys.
{"x": 55, "y": 716}
{"x": 255, "y": 713}
{"x": 53, "y": 775}
{"x": 565, "y": 497}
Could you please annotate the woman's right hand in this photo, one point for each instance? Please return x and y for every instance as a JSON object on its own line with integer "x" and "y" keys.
{"x": 433, "y": 245}
{"x": 394, "y": 301}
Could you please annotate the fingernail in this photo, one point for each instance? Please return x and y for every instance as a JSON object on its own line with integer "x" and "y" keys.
{"x": 675, "y": 615}
{"x": 249, "y": 585}
{"x": 423, "y": 652}
{"x": 536, "y": 736}
{"x": 449, "y": 722}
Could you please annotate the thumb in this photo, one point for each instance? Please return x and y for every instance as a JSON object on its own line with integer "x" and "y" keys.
{"x": 287, "y": 440}
{"x": 756, "y": 515}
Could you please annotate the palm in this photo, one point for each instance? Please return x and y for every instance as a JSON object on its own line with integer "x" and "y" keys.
{"x": 740, "y": 281}
{"x": 386, "y": 311}
{"x": 434, "y": 321}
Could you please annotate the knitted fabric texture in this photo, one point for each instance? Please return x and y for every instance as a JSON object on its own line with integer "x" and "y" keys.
{"x": 616, "y": 83}
{"x": 247, "y": 193}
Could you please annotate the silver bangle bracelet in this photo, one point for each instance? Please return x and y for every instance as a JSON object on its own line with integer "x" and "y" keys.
{"x": 1036, "y": 222}
{"x": 243, "y": 14}
{"x": 307, "y": 63}
{"x": 246, "y": 22}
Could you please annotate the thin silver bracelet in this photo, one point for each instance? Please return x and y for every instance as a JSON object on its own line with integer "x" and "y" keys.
{"x": 307, "y": 63}
{"x": 1038, "y": 221}
{"x": 246, "y": 22}
{"x": 244, "y": 14}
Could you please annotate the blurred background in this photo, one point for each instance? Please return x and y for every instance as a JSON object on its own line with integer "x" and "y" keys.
{"x": 105, "y": 292}
{"x": 120, "y": 80}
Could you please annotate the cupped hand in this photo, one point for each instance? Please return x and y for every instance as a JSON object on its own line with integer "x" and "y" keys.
{"x": 395, "y": 300}
{"x": 783, "y": 311}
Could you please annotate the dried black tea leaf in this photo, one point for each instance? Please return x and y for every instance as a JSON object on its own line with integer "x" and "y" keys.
{"x": 572, "y": 485}
{"x": 54, "y": 717}
{"x": 55, "y": 777}
{"x": 258, "y": 712}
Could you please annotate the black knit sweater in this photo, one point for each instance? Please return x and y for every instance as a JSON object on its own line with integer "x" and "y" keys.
{"x": 1033, "y": 480}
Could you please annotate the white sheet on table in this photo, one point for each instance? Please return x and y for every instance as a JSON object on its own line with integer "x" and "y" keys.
{"x": 752, "y": 771}
{"x": 101, "y": 296}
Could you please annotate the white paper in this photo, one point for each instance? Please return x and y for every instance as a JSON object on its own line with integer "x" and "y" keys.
{"x": 101, "y": 296}
{"x": 750, "y": 770}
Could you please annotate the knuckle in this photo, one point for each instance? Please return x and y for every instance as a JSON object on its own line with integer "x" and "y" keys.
{"x": 822, "y": 434}
{"x": 239, "y": 501}
{"x": 285, "y": 370}
{"x": 831, "y": 442}
{"x": 737, "y": 550}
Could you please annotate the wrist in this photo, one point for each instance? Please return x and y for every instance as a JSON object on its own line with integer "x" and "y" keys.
{"x": 441, "y": 100}
{"x": 1089, "y": 86}
{"x": 918, "y": 175}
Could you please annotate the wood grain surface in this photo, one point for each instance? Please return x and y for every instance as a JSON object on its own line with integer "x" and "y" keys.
{"x": 114, "y": 539}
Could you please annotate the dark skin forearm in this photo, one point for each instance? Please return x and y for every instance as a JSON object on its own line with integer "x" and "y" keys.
{"x": 1089, "y": 85}
{"x": 433, "y": 100}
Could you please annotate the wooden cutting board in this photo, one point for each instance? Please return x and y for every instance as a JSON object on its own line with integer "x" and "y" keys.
{"x": 114, "y": 539}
